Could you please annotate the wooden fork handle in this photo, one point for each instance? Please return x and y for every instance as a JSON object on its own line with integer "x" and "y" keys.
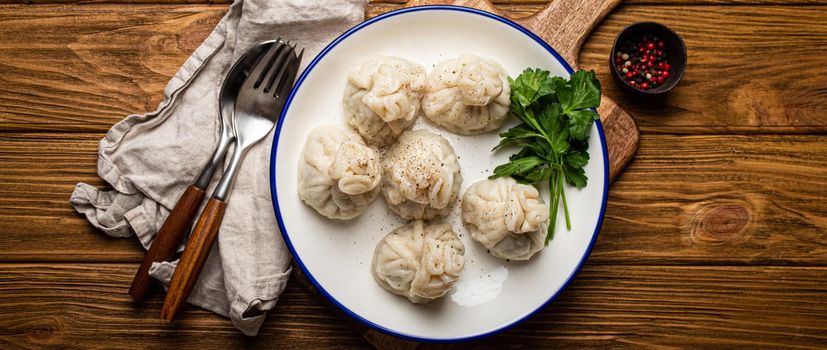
{"x": 192, "y": 260}
{"x": 167, "y": 239}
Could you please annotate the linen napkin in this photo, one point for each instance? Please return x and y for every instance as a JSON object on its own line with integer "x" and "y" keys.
{"x": 150, "y": 159}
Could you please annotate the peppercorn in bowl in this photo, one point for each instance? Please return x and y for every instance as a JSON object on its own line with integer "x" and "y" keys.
{"x": 648, "y": 58}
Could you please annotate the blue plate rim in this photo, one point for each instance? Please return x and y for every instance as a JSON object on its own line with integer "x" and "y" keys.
{"x": 274, "y": 189}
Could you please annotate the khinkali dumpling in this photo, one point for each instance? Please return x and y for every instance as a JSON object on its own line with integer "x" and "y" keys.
{"x": 419, "y": 261}
{"x": 421, "y": 175}
{"x": 339, "y": 175}
{"x": 468, "y": 95}
{"x": 508, "y": 218}
{"x": 382, "y": 98}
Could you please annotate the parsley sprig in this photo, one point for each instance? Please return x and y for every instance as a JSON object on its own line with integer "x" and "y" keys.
{"x": 557, "y": 115}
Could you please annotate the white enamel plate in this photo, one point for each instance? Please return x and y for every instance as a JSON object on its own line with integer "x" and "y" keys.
{"x": 336, "y": 255}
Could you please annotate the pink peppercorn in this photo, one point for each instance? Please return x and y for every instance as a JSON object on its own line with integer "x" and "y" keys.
{"x": 645, "y": 61}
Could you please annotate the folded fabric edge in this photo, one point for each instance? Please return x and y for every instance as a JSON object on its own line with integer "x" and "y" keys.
{"x": 252, "y": 303}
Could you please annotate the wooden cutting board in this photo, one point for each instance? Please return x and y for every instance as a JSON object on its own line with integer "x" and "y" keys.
{"x": 565, "y": 25}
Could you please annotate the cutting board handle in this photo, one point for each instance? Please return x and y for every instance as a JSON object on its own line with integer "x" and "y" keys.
{"x": 565, "y": 24}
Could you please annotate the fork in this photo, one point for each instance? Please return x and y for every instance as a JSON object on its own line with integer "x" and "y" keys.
{"x": 259, "y": 103}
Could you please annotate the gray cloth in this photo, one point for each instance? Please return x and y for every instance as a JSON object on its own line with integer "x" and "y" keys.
{"x": 150, "y": 159}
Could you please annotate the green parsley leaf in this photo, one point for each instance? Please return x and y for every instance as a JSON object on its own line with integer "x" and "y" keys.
{"x": 575, "y": 176}
{"x": 551, "y": 118}
{"x": 577, "y": 159}
{"x": 581, "y": 91}
{"x": 518, "y": 166}
{"x": 540, "y": 149}
{"x": 530, "y": 86}
{"x": 580, "y": 123}
{"x": 516, "y": 135}
{"x": 553, "y": 122}
{"x": 536, "y": 175}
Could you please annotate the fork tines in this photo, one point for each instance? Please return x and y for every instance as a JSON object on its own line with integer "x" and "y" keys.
{"x": 274, "y": 58}
{"x": 275, "y": 70}
{"x": 286, "y": 84}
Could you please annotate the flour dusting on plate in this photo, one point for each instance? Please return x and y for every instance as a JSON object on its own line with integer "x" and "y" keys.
{"x": 480, "y": 290}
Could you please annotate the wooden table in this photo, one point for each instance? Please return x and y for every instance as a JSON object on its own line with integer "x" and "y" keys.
{"x": 715, "y": 235}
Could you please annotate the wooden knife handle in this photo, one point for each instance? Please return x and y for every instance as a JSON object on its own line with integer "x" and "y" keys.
{"x": 167, "y": 239}
{"x": 192, "y": 260}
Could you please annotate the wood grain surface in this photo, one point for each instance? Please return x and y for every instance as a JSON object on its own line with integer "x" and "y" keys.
{"x": 713, "y": 237}
{"x": 107, "y": 61}
{"x": 686, "y": 199}
{"x": 642, "y": 306}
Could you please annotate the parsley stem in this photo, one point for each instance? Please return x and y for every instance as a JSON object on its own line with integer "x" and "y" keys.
{"x": 552, "y": 209}
{"x": 565, "y": 205}
{"x": 563, "y": 193}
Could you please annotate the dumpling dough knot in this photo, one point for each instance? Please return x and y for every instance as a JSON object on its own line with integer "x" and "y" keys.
{"x": 428, "y": 181}
{"x": 422, "y": 176}
{"x": 468, "y": 95}
{"x": 525, "y": 212}
{"x": 339, "y": 176}
{"x": 382, "y": 98}
{"x": 390, "y": 96}
{"x": 479, "y": 81}
{"x": 356, "y": 168}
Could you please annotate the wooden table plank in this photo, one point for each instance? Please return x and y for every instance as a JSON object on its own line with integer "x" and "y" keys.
{"x": 109, "y": 62}
{"x": 86, "y": 306}
{"x": 752, "y": 69}
{"x": 719, "y": 198}
{"x": 685, "y": 200}
{"x": 524, "y": 5}
{"x": 619, "y": 306}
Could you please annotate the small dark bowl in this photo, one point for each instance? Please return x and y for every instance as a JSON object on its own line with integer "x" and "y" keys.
{"x": 675, "y": 50}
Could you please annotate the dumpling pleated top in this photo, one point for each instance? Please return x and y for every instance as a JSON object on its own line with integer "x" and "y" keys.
{"x": 468, "y": 95}
{"x": 508, "y": 218}
{"x": 382, "y": 98}
{"x": 419, "y": 261}
{"x": 339, "y": 175}
{"x": 421, "y": 176}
